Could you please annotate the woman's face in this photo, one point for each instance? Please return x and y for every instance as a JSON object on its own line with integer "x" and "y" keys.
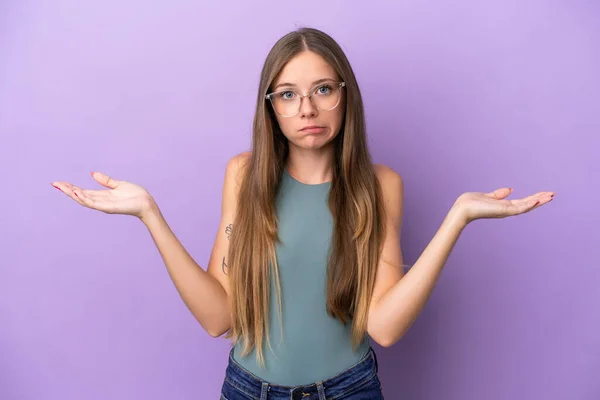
{"x": 309, "y": 73}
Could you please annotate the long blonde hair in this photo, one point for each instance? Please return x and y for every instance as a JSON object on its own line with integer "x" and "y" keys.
{"x": 355, "y": 202}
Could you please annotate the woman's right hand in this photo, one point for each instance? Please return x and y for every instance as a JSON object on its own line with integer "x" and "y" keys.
{"x": 121, "y": 198}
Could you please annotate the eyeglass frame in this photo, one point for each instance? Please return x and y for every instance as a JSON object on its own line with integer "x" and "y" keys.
{"x": 309, "y": 94}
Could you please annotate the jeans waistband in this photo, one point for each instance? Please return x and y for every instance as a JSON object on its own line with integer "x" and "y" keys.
{"x": 333, "y": 387}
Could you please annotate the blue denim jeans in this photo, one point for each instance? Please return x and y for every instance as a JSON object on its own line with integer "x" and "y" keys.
{"x": 357, "y": 382}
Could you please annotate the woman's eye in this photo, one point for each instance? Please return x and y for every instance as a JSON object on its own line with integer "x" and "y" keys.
{"x": 287, "y": 95}
{"x": 325, "y": 89}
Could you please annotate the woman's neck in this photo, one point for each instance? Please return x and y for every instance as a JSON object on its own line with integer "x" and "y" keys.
{"x": 311, "y": 166}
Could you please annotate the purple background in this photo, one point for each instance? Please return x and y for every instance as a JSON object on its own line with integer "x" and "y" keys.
{"x": 460, "y": 96}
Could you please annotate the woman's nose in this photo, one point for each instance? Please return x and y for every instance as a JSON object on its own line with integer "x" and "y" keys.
{"x": 307, "y": 107}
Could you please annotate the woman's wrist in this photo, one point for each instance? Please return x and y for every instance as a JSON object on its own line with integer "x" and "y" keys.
{"x": 150, "y": 213}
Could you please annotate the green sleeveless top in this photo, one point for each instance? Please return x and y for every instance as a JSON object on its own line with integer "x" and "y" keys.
{"x": 314, "y": 346}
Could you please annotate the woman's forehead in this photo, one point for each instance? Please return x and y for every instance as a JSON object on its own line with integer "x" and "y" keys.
{"x": 304, "y": 70}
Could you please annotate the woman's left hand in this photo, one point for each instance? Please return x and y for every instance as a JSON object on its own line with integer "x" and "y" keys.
{"x": 474, "y": 205}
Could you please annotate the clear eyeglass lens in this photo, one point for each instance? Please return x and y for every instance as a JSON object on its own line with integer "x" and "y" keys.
{"x": 324, "y": 97}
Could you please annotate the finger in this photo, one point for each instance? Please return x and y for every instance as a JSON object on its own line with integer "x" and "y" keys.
{"x": 80, "y": 197}
{"x": 526, "y": 205}
{"x": 105, "y": 180}
{"x": 521, "y": 207}
{"x": 99, "y": 203}
{"x": 96, "y": 194}
{"x": 72, "y": 188}
{"x": 545, "y": 198}
{"x": 89, "y": 193}
{"x": 85, "y": 199}
{"x": 500, "y": 193}
{"x": 64, "y": 185}
{"x": 69, "y": 190}
{"x": 542, "y": 196}
{"x": 528, "y": 199}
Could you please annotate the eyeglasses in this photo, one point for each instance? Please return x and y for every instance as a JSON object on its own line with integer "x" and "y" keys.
{"x": 325, "y": 96}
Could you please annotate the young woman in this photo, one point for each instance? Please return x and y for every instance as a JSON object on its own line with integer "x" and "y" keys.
{"x": 306, "y": 268}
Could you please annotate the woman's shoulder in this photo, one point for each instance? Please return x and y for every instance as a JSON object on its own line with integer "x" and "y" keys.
{"x": 239, "y": 159}
{"x": 236, "y": 164}
{"x": 392, "y": 189}
{"x": 387, "y": 176}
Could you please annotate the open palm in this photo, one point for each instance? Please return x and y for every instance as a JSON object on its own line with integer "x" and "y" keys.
{"x": 122, "y": 197}
{"x": 475, "y": 205}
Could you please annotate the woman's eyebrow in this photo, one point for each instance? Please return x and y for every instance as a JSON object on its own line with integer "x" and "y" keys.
{"x": 313, "y": 84}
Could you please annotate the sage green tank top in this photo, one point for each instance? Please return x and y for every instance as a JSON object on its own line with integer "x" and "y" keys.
{"x": 314, "y": 345}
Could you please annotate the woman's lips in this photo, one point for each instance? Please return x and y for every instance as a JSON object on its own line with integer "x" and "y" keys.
{"x": 313, "y": 129}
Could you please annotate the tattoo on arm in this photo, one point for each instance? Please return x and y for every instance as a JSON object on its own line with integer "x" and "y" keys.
{"x": 224, "y": 266}
{"x": 228, "y": 230}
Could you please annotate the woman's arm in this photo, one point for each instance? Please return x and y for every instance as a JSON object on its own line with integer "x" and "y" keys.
{"x": 205, "y": 293}
{"x": 397, "y": 309}
{"x": 397, "y": 300}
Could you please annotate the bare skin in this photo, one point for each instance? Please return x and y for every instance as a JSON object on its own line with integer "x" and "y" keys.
{"x": 397, "y": 299}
